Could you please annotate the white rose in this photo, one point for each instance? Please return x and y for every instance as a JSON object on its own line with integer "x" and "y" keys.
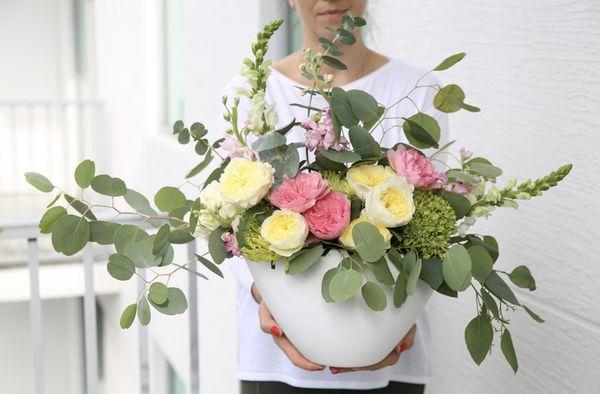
{"x": 285, "y": 231}
{"x": 391, "y": 203}
{"x": 206, "y": 224}
{"x": 245, "y": 182}
{"x": 211, "y": 196}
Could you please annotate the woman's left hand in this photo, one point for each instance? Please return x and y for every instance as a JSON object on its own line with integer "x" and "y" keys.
{"x": 391, "y": 359}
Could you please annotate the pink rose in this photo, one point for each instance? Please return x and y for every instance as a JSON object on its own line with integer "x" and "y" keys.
{"x": 299, "y": 193}
{"x": 414, "y": 166}
{"x": 330, "y": 216}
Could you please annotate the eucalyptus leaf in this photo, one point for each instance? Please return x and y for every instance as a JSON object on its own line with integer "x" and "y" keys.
{"x": 478, "y": 336}
{"x": 140, "y": 253}
{"x": 210, "y": 265}
{"x": 143, "y": 311}
{"x": 460, "y": 204}
{"x": 343, "y": 156}
{"x": 486, "y": 170}
{"x": 490, "y": 303}
{"x": 180, "y": 237}
{"x": 363, "y": 105}
{"x": 533, "y": 315}
{"x": 176, "y": 302}
{"x": 325, "y": 284}
{"x": 54, "y": 200}
{"x": 382, "y": 272}
{"x": 470, "y": 108}
{"x": 508, "y": 349}
{"x": 481, "y": 262}
{"x": 268, "y": 141}
{"x": 80, "y": 207}
{"x": 128, "y": 316}
{"x": 39, "y": 181}
{"x": 500, "y": 289}
{"x": 284, "y": 159}
{"x": 127, "y": 233}
{"x": 521, "y": 276}
{"x": 363, "y": 143}
{"x": 368, "y": 242}
{"x": 341, "y": 108}
{"x": 400, "y": 293}
{"x": 456, "y": 268}
{"x": 158, "y": 293}
{"x": 344, "y": 284}
{"x": 161, "y": 239}
{"x": 108, "y": 186}
{"x": 70, "y": 234}
{"x": 201, "y": 166}
{"x": 422, "y": 131}
{"x": 169, "y": 198}
{"x": 413, "y": 277}
{"x": 141, "y": 204}
{"x": 450, "y": 61}
{"x": 374, "y": 296}
{"x": 84, "y": 173}
{"x": 216, "y": 246}
{"x": 449, "y": 99}
{"x": 333, "y": 62}
{"x": 50, "y": 218}
{"x": 431, "y": 272}
{"x": 103, "y": 233}
{"x": 304, "y": 259}
{"x": 120, "y": 267}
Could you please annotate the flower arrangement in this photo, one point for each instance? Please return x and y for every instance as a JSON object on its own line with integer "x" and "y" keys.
{"x": 375, "y": 204}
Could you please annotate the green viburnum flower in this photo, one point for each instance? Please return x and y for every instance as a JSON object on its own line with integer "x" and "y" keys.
{"x": 337, "y": 182}
{"x": 431, "y": 226}
{"x": 251, "y": 243}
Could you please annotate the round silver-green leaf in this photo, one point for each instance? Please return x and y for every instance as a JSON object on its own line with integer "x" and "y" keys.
{"x": 84, "y": 173}
{"x": 50, "y": 218}
{"x": 374, "y": 296}
{"x": 70, "y": 234}
{"x": 456, "y": 268}
{"x": 344, "y": 284}
{"x": 120, "y": 267}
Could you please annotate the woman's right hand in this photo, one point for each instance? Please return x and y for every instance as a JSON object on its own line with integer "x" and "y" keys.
{"x": 269, "y": 326}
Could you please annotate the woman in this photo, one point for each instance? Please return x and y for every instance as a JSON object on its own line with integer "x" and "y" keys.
{"x": 267, "y": 361}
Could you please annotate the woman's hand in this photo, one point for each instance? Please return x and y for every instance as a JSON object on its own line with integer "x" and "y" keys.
{"x": 391, "y": 359}
{"x": 269, "y": 326}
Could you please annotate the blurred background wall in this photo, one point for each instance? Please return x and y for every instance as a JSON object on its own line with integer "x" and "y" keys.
{"x": 105, "y": 79}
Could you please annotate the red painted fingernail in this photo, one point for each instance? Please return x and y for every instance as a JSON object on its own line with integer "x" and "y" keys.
{"x": 276, "y": 331}
{"x": 334, "y": 370}
{"x": 402, "y": 347}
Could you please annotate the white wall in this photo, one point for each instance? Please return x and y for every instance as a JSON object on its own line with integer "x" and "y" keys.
{"x": 533, "y": 69}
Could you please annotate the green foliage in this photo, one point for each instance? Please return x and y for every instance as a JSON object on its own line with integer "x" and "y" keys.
{"x": 84, "y": 173}
{"x": 363, "y": 143}
{"x": 431, "y": 226}
{"x": 374, "y": 296}
{"x": 70, "y": 234}
{"x": 80, "y": 207}
{"x": 128, "y": 316}
{"x": 304, "y": 259}
{"x": 210, "y": 265}
{"x": 449, "y": 99}
{"x": 50, "y": 218}
{"x": 521, "y": 276}
{"x": 39, "y": 181}
{"x": 176, "y": 302}
{"x": 284, "y": 159}
{"x": 456, "y": 268}
{"x": 422, "y": 130}
{"x": 450, "y": 61}
{"x": 337, "y": 182}
{"x": 431, "y": 272}
{"x": 382, "y": 272}
{"x": 216, "y": 245}
{"x": 169, "y": 198}
{"x": 120, "y": 267}
{"x": 143, "y": 311}
{"x": 478, "y": 336}
{"x": 103, "y": 233}
{"x": 508, "y": 349}
{"x": 500, "y": 289}
{"x": 533, "y": 315}
{"x": 481, "y": 262}
{"x": 368, "y": 242}
{"x": 158, "y": 293}
{"x": 108, "y": 186}
{"x": 344, "y": 284}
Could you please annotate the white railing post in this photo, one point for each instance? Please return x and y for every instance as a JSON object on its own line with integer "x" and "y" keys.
{"x": 89, "y": 316}
{"x": 35, "y": 315}
{"x": 144, "y": 352}
{"x": 193, "y": 311}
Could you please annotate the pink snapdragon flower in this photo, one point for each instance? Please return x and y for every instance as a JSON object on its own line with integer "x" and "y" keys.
{"x": 232, "y": 146}
{"x": 458, "y": 187}
{"x": 321, "y": 135}
{"x": 330, "y": 216}
{"x": 300, "y": 192}
{"x": 231, "y": 243}
{"x": 465, "y": 154}
{"x": 416, "y": 168}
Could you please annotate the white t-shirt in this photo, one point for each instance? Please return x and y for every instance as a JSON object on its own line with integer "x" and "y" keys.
{"x": 259, "y": 359}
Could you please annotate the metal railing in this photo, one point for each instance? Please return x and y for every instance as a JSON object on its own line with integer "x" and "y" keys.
{"x": 27, "y": 231}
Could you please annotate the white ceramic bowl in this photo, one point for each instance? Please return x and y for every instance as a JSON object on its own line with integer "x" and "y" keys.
{"x": 347, "y": 334}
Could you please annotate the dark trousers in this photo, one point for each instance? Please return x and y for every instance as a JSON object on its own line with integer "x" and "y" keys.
{"x": 282, "y": 388}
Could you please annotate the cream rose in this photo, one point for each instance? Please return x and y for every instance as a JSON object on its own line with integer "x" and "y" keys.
{"x": 285, "y": 231}
{"x": 206, "y": 224}
{"x": 245, "y": 182}
{"x": 363, "y": 179}
{"x": 347, "y": 240}
{"x": 211, "y": 196}
{"x": 391, "y": 203}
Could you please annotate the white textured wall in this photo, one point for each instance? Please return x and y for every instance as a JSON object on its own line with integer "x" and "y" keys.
{"x": 533, "y": 68}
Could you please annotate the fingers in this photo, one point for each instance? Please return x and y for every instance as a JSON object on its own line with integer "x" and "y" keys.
{"x": 295, "y": 356}
{"x": 408, "y": 341}
{"x": 267, "y": 322}
{"x": 269, "y": 325}
{"x": 391, "y": 359}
